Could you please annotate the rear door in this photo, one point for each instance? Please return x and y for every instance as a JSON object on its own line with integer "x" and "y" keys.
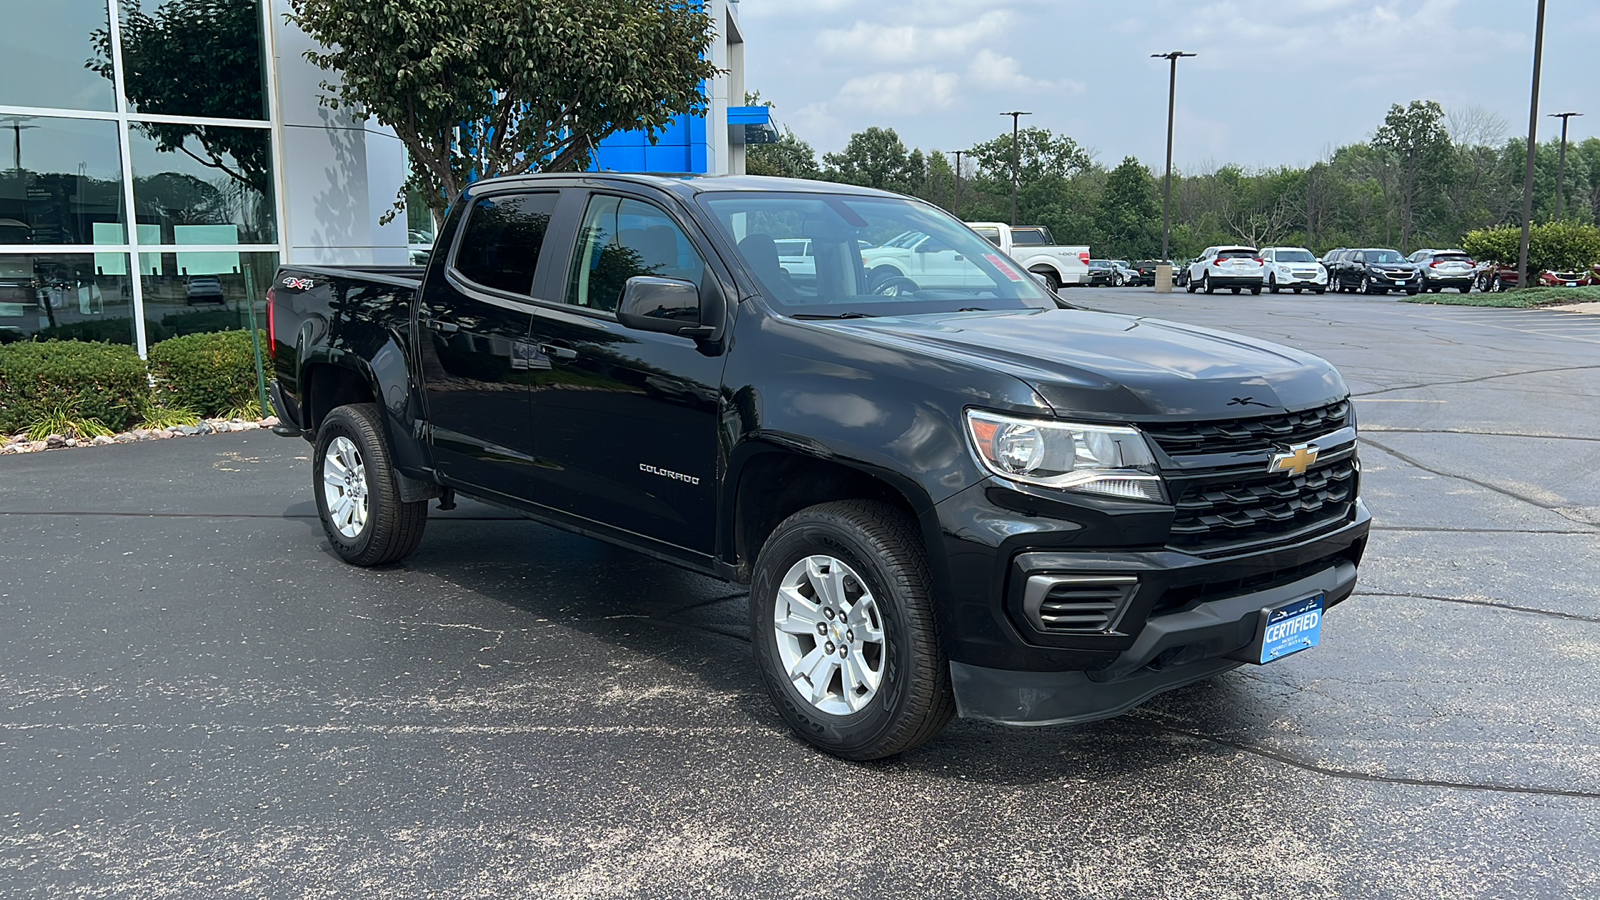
{"x": 625, "y": 421}
{"x": 476, "y": 360}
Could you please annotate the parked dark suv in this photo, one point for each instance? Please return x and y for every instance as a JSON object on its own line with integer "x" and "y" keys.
{"x": 1374, "y": 271}
{"x": 1440, "y": 269}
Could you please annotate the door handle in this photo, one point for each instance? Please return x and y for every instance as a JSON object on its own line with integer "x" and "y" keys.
{"x": 556, "y": 351}
{"x": 443, "y": 327}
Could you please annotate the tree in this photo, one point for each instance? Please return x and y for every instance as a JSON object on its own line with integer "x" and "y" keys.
{"x": 1041, "y": 154}
{"x": 1418, "y": 151}
{"x": 874, "y": 158}
{"x": 789, "y": 157}
{"x": 1128, "y": 217}
{"x": 501, "y": 87}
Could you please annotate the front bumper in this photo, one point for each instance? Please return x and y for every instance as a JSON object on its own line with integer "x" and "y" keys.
{"x": 1171, "y": 651}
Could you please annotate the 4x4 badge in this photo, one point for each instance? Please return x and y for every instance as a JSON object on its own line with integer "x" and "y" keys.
{"x": 1295, "y": 461}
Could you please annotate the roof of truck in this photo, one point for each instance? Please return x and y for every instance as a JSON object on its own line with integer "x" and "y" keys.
{"x": 688, "y": 183}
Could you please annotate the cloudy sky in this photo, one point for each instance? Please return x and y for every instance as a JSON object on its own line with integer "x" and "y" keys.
{"x": 1275, "y": 82}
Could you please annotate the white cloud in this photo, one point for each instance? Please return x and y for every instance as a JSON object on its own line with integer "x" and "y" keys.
{"x": 1000, "y": 72}
{"x": 902, "y": 93}
{"x": 896, "y": 42}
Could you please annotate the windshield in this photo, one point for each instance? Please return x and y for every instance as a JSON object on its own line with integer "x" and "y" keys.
{"x": 1295, "y": 256}
{"x": 1384, "y": 256}
{"x": 872, "y": 256}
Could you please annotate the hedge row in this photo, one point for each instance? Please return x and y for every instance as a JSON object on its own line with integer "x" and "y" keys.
{"x": 211, "y": 374}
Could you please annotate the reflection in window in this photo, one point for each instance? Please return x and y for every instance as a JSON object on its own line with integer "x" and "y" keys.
{"x": 621, "y": 239}
{"x": 187, "y": 293}
{"x": 42, "y": 51}
{"x": 61, "y": 182}
{"x": 82, "y": 297}
{"x": 190, "y": 58}
{"x": 214, "y": 176}
{"x": 500, "y": 248}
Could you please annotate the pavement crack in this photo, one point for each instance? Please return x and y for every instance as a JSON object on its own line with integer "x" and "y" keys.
{"x": 1413, "y": 461}
{"x": 499, "y": 634}
{"x": 1464, "y": 601}
{"x": 1480, "y": 378}
{"x": 1352, "y": 775}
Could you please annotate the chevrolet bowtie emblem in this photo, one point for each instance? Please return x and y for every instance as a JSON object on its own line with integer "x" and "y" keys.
{"x": 1296, "y": 461}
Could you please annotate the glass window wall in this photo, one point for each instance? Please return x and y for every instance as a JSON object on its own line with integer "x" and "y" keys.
{"x": 67, "y": 296}
{"x": 187, "y": 293}
{"x": 63, "y": 181}
{"x": 203, "y": 184}
{"x": 56, "y": 53}
{"x": 194, "y": 58}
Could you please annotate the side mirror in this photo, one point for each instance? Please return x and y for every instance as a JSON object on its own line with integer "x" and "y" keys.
{"x": 665, "y": 305}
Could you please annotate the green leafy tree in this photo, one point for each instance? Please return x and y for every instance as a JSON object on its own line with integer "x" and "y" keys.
{"x": 789, "y": 157}
{"x": 1128, "y": 216}
{"x": 1416, "y": 146}
{"x": 874, "y": 158}
{"x": 1041, "y": 154}
{"x": 501, "y": 87}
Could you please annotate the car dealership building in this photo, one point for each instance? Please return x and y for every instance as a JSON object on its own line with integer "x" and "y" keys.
{"x": 203, "y": 120}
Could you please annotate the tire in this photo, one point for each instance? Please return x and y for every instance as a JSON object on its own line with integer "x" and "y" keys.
{"x": 1272, "y": 284}
{"x": 1319, "y": 291}
{"x": 375, "y": 527}
{"x": 1205, "y": 283}
{"x": 1051, "y": 279}
{"x": 880, "y": 551}
{"x": 1465, "y": 288}
{"x": 879, "y": 275}
{"x": 1435, "y": 289}
{"x": 1235, "y": 291}
{"x": 1254, "y": 292}
{"x": 1297, "y": 290}
{"x": 1496, "y": 285}
{"x": 1188, "y": 284}
{"x": 1412, "y": 292}
{"x": 1366, "y": 286}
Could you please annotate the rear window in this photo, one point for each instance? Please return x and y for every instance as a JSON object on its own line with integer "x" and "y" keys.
{"x": 1452, "y": 257}
{"x": 992, "y": 235}
{"x": 500, "y": 247}
{"x": 1027, "y": 237}
{"x": 1236, "y": 254}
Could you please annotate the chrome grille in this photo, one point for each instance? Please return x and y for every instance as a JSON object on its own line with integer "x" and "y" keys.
{"x": 1233, "y": 435}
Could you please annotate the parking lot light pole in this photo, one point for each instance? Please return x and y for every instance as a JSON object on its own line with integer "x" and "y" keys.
{"x": 1533, "y": 137}
{"x": 1172, "y": 95}
{"x": 1561, "y": 161}
{"x": 1016, "y": 150}
{"x": 958, "y": 155}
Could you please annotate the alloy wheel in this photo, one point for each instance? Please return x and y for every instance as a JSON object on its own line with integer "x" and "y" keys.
{"x": 830, "y": 635}
{"x": 344, "y": 486}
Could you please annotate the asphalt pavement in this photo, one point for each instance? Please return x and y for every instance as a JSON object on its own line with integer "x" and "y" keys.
{"x": 198, "y": 699}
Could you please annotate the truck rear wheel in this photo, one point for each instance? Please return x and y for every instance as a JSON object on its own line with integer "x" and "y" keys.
{"x": 842, "y": 622}
{"x": 358, "y": 499}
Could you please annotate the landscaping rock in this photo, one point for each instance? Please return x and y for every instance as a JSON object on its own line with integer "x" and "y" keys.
{"x": 206, "y": 428}
{"x": 72, "y": 442}
{"x": 103, "y": 440}
{"x": 55, "y": 442}
{"x": 189, "y": 429}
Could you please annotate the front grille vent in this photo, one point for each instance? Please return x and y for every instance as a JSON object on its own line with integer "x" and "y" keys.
{"x": 1077, "y": 604}
{"x": 1263, "y": 508}
{"x": 1235, "y": 435}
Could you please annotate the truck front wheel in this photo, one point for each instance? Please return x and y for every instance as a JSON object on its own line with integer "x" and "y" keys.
{"x": 358, "y": 499}
{"x": 842, "y": 622}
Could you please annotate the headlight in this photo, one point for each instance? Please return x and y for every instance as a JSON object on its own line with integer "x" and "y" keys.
{"x": 1099, "y": 459}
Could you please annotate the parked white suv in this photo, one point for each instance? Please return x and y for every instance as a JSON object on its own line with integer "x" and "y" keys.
{"x": 1293, "y": 268}
{"x": 1235, "y": 268}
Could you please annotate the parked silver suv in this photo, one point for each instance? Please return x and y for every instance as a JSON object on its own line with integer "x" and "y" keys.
{"x": 1293, "y": 268}
{"x": 1235, "y": 268}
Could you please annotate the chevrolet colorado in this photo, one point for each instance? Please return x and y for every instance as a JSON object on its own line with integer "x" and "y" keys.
{"x": 961, "y": 497}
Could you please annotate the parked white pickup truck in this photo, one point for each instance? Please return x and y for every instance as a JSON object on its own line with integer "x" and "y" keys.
{"x": 1038, "y": 252}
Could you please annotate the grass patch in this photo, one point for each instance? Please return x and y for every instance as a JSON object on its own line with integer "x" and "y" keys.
{"x": 1521, "y": 298}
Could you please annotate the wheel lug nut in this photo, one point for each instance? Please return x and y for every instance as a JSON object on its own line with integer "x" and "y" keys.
{"x": 844, "y": 652}
{"x": 827, "y": 611}
{"x": 828, "y": 648}
{"x": 822, "y": 628}
{"x": 850, "y": 635}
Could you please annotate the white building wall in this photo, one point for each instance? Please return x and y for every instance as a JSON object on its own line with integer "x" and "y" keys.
{"x": 339, "y": 176}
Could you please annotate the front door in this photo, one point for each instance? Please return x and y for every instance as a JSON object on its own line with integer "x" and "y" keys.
{"x": 473, "y": 338}
{"x": 625, "y": 421}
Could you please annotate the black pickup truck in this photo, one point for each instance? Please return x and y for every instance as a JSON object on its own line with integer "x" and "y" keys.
{"x": 948, "y": 492}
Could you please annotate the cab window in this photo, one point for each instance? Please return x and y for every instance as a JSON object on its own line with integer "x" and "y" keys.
{"x": 621, "y": 238}
{"x": 503, "y": 237}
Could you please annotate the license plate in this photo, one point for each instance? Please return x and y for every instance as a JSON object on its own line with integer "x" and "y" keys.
{"x": 1572, "y": 284}
{"x": 1291, "y": 628}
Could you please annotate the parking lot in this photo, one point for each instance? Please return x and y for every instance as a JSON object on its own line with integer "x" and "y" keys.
{"x": 197, "y": 698}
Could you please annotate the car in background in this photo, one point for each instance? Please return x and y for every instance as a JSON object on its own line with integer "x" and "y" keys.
{"x": 925, "y": 261}
{"x": 1375, "y": 270}
{"x": 1293, "y": 268}
{"x": 203, "y": 289}
{"x": 1440, "y": 269}
{"x": 1496, "y": 277}
{"x": 1233, "y": 267}
{"x": 794, "y": 256}
{"x": 1144, "y": 271}
{"x": 1125, "y": 273}
{"x": 1034, "y": 248}
{"x": 1102, "y": 273}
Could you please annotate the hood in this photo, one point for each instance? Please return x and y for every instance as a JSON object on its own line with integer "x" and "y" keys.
{"x": 1096, "y": 364}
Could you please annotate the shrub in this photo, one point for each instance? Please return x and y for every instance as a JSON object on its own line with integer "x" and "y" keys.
{"x": 1557, "y": 246}
{"x": 211, "y": 374}
{"x": 71, "y": 379}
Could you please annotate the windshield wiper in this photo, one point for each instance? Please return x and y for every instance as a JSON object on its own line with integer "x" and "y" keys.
{"x": 843, "y": 315}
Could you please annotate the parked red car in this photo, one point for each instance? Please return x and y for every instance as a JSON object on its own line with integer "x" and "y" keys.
{"x": 1495, "y": 277}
